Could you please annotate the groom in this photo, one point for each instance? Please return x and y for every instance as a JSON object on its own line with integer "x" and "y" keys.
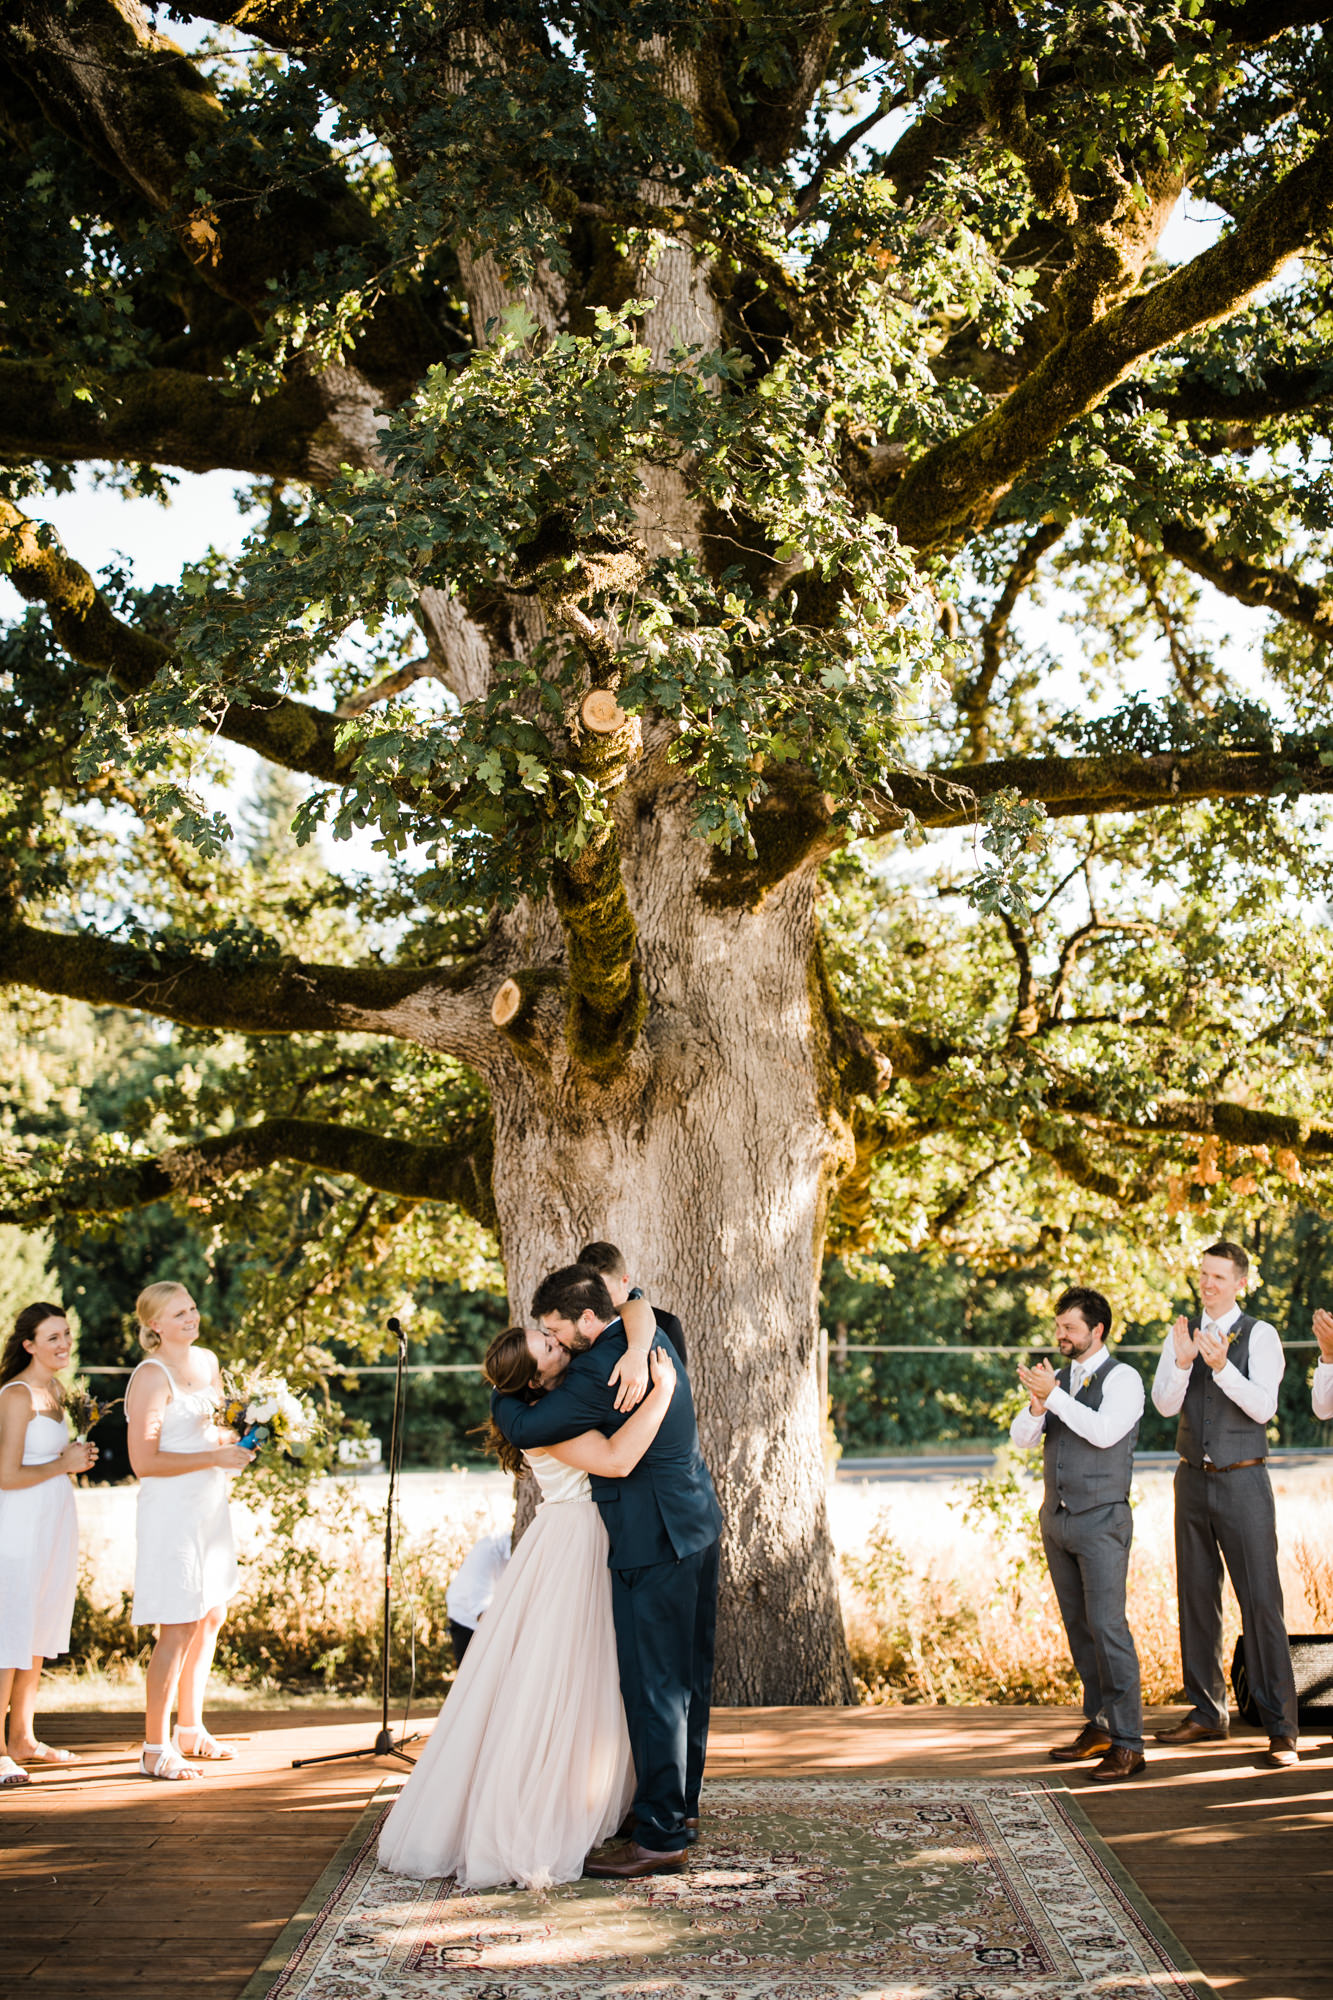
{"x": 663, "y": 1522}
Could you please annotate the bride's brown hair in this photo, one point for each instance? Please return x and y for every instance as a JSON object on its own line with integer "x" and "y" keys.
{"x": 510, "y": 1368}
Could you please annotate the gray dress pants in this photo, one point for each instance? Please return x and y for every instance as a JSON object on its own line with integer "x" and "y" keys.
{"x": 1229, "y": 1516}
{"x": 1088, "y": 1556}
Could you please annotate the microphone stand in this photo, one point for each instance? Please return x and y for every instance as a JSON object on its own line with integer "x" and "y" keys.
{"x": 384, "y": 1745}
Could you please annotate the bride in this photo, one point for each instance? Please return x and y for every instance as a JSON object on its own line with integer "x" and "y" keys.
{"x": 529, "y": 1765}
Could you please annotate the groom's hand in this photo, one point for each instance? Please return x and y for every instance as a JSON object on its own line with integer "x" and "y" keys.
{"x": 631, "y": 1373}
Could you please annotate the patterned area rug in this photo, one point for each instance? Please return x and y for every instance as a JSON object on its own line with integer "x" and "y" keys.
{"x": 817, "y": 1889}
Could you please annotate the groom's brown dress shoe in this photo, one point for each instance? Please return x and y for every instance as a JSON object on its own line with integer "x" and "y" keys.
{"x": 1117, "y": 1765}
{"x": 625, "y": 1864}
{"x": 1281, "y": 1751}
{"x": 1190, "y": 1731}
{"x": 1090, "y": 1742}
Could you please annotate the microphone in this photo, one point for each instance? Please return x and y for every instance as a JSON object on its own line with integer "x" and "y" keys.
{"x": 394, "y": 1325}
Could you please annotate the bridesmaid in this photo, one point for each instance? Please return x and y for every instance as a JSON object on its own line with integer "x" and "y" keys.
{"x": 185, "y": 1566}
{"x": 39, "y": 1531}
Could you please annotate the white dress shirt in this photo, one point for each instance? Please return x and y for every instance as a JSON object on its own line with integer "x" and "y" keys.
{"x": 1321, "y": 1391}
{"x": 1255, "y": 1393}
{"x": 469, "y": 1596}
{"x": 1122, "y": 1406}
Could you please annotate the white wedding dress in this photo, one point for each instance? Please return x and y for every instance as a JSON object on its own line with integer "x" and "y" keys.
{"x": 529, "y": 1764}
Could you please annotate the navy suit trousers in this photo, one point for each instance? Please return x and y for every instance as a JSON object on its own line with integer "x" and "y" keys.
{"x": 665, "y": 1618}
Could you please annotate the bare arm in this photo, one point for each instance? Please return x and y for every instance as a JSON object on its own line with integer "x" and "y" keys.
{"x": 629, "y": 1377}
{"x": 145, "y": 1406}
{"x": 15, "y": 1412}
{"x": 614, "y": 1457}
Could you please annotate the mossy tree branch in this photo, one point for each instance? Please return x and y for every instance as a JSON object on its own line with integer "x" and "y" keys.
{"x": 163, "y": 416}
{"x": 289, "y": 733}
{"x": 457, "y": 1172}
{"x": 262, "y": 996}
{"x": 1074, "y": 786}
{"x": 954, "y": 488}
{"x": 1284, "y": 392}
{"x": 1237, "y": 1124}
{"x": 975, "y": 698}
{"x": 607, "y": 1003}
{"x": 793, "y": 825}
{"x": 1251, "y": 583}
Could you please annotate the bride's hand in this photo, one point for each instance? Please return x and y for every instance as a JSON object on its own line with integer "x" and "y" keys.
{"x": 664, "y": 1374}
{"x": 631, "y": 1372}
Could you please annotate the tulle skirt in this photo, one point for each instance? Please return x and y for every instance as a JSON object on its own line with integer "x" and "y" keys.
{"x": 529, "y": 1764}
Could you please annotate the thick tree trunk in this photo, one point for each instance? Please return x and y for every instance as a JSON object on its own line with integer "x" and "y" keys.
{"x": 709, "y": 1163}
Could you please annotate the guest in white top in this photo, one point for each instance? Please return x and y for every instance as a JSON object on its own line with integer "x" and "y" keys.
{"x": 185, "y": 1564}
{"x": 1087, "y": 1419}
{"x": 1222, "y": 1378}
{"x": 39, "y": 1532}
{"x": 1321, "y": 1389}
{"x": 468, "y": 1598}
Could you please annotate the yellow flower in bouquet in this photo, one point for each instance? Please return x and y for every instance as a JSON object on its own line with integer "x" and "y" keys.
{"x": 266, "y": 1411}
{"x": 84, "y": 1409}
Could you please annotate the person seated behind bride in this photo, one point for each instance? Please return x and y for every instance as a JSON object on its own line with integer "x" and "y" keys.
{"x": 529, "y": 1765}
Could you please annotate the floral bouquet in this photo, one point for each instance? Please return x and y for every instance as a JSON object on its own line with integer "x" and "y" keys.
{"x": 84, "y": 1409}
{"x": 266, "y": 1411}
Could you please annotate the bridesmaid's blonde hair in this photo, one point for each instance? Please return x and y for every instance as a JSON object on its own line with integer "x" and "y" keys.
{"x": 147, "y": 1309}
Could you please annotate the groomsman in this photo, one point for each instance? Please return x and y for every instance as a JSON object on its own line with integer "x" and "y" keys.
{"x": 610, "y": 1262}
{"x": 1321, "y": 1389}
{"x": 1222, "y": 1377}
{"x": 1088, "y": 1418}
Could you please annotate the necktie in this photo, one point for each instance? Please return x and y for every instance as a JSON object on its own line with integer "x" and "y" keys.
{"x": 1075, "y": 1377}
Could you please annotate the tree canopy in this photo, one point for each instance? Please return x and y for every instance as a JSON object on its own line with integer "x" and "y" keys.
{"x": 748, "y": 509}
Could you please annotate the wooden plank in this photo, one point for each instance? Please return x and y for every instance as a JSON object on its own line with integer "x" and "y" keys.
{"x": 1237, "y": 1860}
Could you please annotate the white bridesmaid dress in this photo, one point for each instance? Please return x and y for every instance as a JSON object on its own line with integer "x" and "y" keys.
{"x": 185, "y": 1562}
{"x": 39, "y": 1551}
{"x": 529, "y": 1765}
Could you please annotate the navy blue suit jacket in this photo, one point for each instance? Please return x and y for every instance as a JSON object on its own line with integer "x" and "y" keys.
{"x": 663, "y": 1510}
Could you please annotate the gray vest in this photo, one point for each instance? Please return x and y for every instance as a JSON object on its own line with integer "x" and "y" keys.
{"x": 1080, "y": 1475}
{"x": 1210, "y": 1423}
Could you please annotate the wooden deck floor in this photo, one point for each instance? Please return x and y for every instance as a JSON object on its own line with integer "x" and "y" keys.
{"x": 111, "y": 1886}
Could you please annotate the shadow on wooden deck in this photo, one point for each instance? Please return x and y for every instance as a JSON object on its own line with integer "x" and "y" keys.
{"x": 111, "y": 1885}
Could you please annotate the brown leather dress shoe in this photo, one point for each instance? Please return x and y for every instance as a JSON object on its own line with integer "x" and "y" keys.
{"x": 1190, "y": 1731}
{"x": 625, "y": 1864}
{"x": 1117, "y": 1765}
{"x": 1090, "y": 1742}
{"x": 1281, "y": 1751}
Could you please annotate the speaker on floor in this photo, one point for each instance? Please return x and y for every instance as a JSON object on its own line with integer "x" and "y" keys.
{"x": 1312, "y": 1664}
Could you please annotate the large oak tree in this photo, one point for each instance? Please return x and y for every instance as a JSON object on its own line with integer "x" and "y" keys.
{"x": 658, "y": 421}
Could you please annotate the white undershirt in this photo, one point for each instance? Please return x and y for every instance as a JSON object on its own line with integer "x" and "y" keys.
{"x": 1255, "y": 1393}
{"x": 469, "y": 1595}
{"x": 1321, "y": 1391}
{"x": 1122, "y": 1406}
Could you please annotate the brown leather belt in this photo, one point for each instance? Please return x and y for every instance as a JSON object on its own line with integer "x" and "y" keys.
{"x": 1240, "y": 1462}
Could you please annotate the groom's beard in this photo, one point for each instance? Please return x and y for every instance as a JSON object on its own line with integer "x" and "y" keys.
{"x": 578, "y": 1343}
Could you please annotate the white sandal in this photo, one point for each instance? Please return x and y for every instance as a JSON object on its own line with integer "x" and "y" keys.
{"x": 169, "y": 1769}
{"x": 207, "y": 1749}
{"x": 42, "y": 1753}
{"x": 12, "y": 1773}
